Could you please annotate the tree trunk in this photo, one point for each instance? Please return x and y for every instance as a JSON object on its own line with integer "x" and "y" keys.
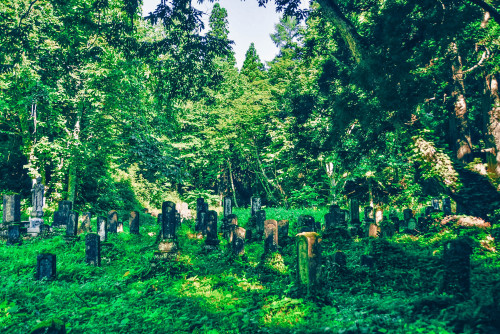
{"x": 72, "y": 177}
{"x": 494, "y": 124}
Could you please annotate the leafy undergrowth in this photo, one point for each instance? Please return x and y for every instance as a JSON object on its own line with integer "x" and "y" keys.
{"x": 212, "y": 292}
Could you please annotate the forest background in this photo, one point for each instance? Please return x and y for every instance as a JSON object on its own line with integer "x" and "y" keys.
{"x": 392, "y": 102}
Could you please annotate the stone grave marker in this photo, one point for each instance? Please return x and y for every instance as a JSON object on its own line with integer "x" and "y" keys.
{"x": 447, "y": 206}
{"x": 202, "y": 227}
{"x": 435, "y": 205}
{"x": 86, "y": 226}
{"x": 231, "y": 222}
{"x": 199, "y": 209}
{"x": 456, "y": 257}
{"x": 168, "y": 220}
{"x": 13, "y": 234}
{"x": 37, "y": 198}
{"x": 102, "y": 228}
{"x": 134, "y": 222}
{"x": 283, "y": 227}
{"x": 306, "y": 223}
{"x": 238, "y": 243}
{"x": 255, "y": 205}
{"x": 61, "y": 215}
{"x": 11, "y": 209}
{"x": 412, "y": 224}
{"x": 212, "y": 240}
{"x": 270, "y": 236}
{"x": 308, "y": 259}
{"x": 227, "y": 207}
{"x": 72, "y": 224}
{"x": 93, "y": 249}
{"x": 260, "y": 218}
{"x": 45, "y": 266}
{"x": 354, "y": 210}
{"x": 112, "y": 221}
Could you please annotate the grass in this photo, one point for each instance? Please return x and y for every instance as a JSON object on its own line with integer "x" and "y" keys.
{"x": 215, "y": 293}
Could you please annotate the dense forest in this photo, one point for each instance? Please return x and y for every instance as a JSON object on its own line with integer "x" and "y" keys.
{"x": 391, "y": 103}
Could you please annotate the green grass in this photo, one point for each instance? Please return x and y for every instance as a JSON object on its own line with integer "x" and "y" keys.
{"x": 214, "y": 293}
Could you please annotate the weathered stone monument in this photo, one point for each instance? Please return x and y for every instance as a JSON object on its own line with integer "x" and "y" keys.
{"x": 238, "y": 242}
{"x": 212, "y": 240}
{"x": 134, "y": 222}
{"x": 11, "y": 209}
{"x": 168, "y": 248}
{"x": 354, "y": 211}
{"x": 270, "y": 236}
{"x": 112, "y": 221}
{"x": 306, "y": 223}
{"x": 456, "y": 257}
{"x": 37, "y": 198}
{"x": 447, "y": 206}
{"x": 45, "y": 266}
{"x": 61, "y": 215}
{"x": 255, "y": 205}
{"x": 283, "y": 227}
{"x": 72, "y": 224}
{"x": 199, "y": 209}
{"x": 227, "y": 206}
{"x": 102, "y": 228}
{"x": 308, "y": 259}
{"x": 93, "y": 249}
{"x": 13, "y": 235}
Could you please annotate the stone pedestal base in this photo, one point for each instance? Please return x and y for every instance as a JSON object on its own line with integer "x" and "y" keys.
{"x": 167, "y": 250}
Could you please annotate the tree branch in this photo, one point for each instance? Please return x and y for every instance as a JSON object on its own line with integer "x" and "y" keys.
{"x": 489, "y": 8}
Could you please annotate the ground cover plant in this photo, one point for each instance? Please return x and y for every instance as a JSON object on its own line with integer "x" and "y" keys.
{"x": 213, "y": 292}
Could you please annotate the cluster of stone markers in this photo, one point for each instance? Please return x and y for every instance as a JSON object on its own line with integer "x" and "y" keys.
{"x": 345, "y": 224}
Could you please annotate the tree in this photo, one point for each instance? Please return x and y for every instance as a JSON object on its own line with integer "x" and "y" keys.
{"x": 252, "y": 67}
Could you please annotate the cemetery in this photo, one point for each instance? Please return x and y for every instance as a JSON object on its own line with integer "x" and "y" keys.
{"x": 249, "y": 166}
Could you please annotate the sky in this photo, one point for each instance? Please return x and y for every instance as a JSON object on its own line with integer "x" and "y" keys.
{"x": 247, "y": 23}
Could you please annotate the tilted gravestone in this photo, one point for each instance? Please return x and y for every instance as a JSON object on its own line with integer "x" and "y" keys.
{"x": 270, "y": 236}
{"x": 86, "y": 222}
{"x": 112, "y": 221}
{"x": 93, "y": 249}
{"x": 11, "y": 209}
{"x": 447, "y": 206}
{"x": 255, "y": 205}
{"x": 134, "y": 222}
{"x": 45, "y": 266}
{"x": 456, "y": 257}
{"x": 72, "y": 224}
{"x": 13, "y": 235}
{"x": 212, "y": 240}
{"x": 238, "y": 243}
{"x": 102, "y": 228}
{"x": 308, "y": 259}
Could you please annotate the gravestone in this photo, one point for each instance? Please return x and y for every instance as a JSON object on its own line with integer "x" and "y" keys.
{"x": 61, "y": 215}
{"x": 168, "y": 220}
{"x": 354, "y": 210}
{"x": 412, "y": 224}
{"x": 435, "y": 205}
{"x": 367, "y": 261}
{"x": 134, "y": 222}
{"x": 212, "y": 240}
{"x": 308, "y": 259}
{"x": 306, "y": 223}
{"x": 65, "y": 206}
{"x": 93, "y": 249}
{"x": 231, "y": 222}
{"x": 228, "y": 210}
{"x": 202, "y": 227}
{"x": 456, "y": 257}
{"x": 238, "y": 243}
{"x": 102, "y": 228}
{"x": 255, "y": 205}
{"x": 119, "y": 227}
{"x": 447, "y": 206}
{"x": 13, "y": 235}
{"x": 387, "y": 228}
{"x": 44, "y": 230}
{"x": 45, "y": 266}
{"x": 72, "y": 224}
{"x": 199, "y": 208}
{"x": 11, "y": 209}
{"x": 86, "y": 222}
{"x": 260, "y": 218}
{"x": 270, "y": 236}
{"x": 37, "y": 198}
{"x": 112, "y": 222}
{"x": 283, "y": 227}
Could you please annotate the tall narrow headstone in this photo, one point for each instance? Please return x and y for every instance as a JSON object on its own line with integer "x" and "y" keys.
{"x": 93, "y": 249}
{"x": 255, "y": 205}
{"x": 112, "y": 222}
{"x": 72, "y": 224}
{"x": 199, "y": 209}
{"x": 37, "y": 198}
{"x": 45, "y": 266}
{"x": 238, "y": 244}
{"x": 134, "y": 222}
{"x": 212, "y": 239}
{"x": 13, "y": 235}
{"x": 306, "y": 223}
{"x": 11, "y": 209}
{"x": 270, "y": 236}
{"x": 168, "y": 220}
{"x": 61, "y": 215}
{"x": 456, "y": 258}
{"x": 227, "y": 206}
{"x": 86, "y": 222}
{"x": 447, "y": 206}
{"x": 102, "y": 228}
{"x": 308, "y": 259}
{"x": 354, "y": 210}
{"x": 202, "y": 226}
